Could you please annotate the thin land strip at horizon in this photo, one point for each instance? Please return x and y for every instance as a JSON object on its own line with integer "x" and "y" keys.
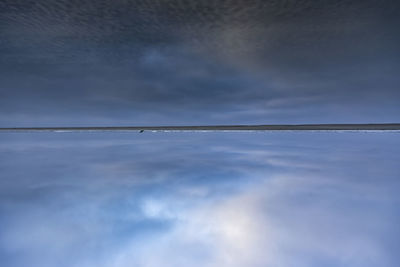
{"x": 266, "y": 127}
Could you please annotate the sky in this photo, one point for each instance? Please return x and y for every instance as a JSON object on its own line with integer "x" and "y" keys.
{"x": 199, "y": 199}
{"x": 217, "y": 199}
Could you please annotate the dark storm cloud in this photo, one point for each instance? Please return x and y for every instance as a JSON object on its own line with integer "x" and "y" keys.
{"x": 190, "y": 62}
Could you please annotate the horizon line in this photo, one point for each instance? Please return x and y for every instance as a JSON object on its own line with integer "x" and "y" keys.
{"x": 255, "y": 127}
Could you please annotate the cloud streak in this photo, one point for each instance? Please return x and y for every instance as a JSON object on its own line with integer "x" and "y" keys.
{"x": 201, "y": 200}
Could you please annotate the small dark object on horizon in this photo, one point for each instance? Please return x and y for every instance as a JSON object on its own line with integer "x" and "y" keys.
{"x": 201, "y": 128}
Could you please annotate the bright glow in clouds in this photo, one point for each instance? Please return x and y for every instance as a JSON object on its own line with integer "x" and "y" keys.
{"x": 199, "y": 199}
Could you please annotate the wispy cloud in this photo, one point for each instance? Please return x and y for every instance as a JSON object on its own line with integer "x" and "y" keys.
{"x": 200, "y": 200}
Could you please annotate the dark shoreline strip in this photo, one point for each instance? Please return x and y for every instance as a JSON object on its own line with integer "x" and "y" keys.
{"x": 275, "y": 127}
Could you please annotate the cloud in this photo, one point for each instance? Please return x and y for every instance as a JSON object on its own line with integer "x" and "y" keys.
{"x": 182, "y": 199}
{"x": 224, "y": 200}
{"x": 266, "y": 227}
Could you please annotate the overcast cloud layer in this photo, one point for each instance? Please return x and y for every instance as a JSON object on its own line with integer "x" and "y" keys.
{"x": 199, "y": 199}
{"x": 218, "y": 200}
{"x": 100, "y": 62}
